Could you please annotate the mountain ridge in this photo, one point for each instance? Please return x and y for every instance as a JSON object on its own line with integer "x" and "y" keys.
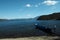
{"x": 53, "y": 16}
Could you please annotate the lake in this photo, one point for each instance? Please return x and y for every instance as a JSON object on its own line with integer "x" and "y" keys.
{"x": 26, "y": 27}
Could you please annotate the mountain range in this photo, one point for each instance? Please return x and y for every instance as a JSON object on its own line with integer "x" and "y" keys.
{"x": 53, "y": 16}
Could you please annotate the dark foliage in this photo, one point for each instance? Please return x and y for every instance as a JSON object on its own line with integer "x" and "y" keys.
{"x": 54, "y": 16}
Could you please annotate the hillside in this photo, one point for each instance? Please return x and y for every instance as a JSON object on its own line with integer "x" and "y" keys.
{"x": 3, "y": 19}
{"x": 53, "y": 16}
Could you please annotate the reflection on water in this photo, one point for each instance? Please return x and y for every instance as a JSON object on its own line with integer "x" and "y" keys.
{"x": 20, "y": 28}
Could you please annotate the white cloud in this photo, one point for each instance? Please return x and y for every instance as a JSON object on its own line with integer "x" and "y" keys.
{"x": 50, "y": 2}
{"x": 31, "y": 5}
{"x": 28, "y": 15}
{"x": 28, "y": 5}
{"x": 36, "y": 6}
{"x": 39, "y": 4}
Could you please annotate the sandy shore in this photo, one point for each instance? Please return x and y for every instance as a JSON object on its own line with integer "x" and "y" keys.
{"x": 34, "y": 38}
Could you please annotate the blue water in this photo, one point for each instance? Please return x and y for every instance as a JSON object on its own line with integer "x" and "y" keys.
{"x": 26, "y": 26}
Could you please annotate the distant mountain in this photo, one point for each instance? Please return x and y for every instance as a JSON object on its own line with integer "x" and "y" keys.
{"x": 35, "y": 18}
{"x": 53, "y": 16}
{"x": 17, "y": 19}
{"x": 3, "y": 19}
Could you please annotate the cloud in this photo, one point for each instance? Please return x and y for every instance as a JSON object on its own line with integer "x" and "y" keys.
{"x": 28, "y": 5}
{"x": 31, "y": 5}
{"x": 36, "y": 5}
{"x": 50, "y": 2}
{"x": 39, "y": 3}
{"x": 28, "y": 15}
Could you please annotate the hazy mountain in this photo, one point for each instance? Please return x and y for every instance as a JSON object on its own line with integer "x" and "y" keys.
{"x": 3, "y": 19}
{"x": 53, "y": 16}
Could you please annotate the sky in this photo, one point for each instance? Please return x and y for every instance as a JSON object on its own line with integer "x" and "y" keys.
{"x": 14, "y": 9}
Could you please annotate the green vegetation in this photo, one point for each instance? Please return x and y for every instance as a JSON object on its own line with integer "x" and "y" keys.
{"x": 54, "y": 16}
